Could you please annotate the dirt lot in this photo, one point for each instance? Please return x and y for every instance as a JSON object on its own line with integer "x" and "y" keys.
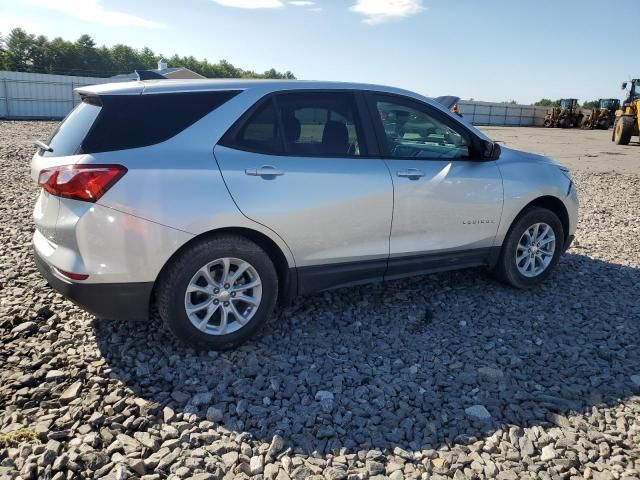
{"x": 590, "y": 150}
{"x": 449, "y": 375}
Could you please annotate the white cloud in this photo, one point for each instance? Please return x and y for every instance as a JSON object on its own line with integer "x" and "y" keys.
{"x": 9, "y": 22}
{"x": 251, "y": 3}
{"x": 93, "y": 11}
{"x": 302, "y": 3}
{"x": 378, "y": 11}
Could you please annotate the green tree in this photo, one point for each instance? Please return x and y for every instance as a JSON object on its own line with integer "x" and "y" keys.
{"x": 24, "y": 52}
{"x": 545, "y": 102}
{"x": 3, "y": 54}
{"x": 592, "y": 104}
{"x": 20, "y": 49}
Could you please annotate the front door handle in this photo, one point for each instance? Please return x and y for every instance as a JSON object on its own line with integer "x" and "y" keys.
{"x": 264, "y": 171}
{"x": 411, "y": 173}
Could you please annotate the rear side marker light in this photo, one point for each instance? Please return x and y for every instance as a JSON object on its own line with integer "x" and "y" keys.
{"x": 86, "y": 183}
{"x": 73, "y": 276}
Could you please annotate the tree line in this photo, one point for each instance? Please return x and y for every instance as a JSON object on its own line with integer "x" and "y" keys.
{"x": 24, "y": 52}
{"x": 545, "y": 102}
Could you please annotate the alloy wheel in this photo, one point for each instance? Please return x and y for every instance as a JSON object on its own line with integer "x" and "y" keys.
{"x": 223, "y": 296}
{"x": 535, "y": 250}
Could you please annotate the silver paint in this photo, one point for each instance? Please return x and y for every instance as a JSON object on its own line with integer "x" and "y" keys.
{"x": 319, "y": 211}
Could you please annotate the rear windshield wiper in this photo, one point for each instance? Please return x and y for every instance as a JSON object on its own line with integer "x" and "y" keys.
{"x": 40, "y": 144}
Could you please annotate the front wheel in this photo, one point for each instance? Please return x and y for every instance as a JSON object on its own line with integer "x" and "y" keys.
{"x": 623, "y": 130}
{"x": 218, "y": 292}
{"x": 531, "y": 249}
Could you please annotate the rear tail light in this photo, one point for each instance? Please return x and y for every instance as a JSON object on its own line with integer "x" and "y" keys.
{"x": 80, "y": 182}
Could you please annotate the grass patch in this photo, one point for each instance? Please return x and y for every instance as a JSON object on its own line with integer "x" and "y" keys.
{"x": 14, "y": 438}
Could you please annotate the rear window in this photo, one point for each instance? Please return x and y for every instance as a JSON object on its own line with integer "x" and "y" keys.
{"x": 66, "y": 139}
{"x": 131, "y": 121}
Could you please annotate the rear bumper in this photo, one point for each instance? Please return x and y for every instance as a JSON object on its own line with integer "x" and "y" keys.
{"x": 118, "y": 301}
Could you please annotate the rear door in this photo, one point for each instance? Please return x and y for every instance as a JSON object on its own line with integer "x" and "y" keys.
{"x": 304, "y": 164}
{"x": 447, "y": 201}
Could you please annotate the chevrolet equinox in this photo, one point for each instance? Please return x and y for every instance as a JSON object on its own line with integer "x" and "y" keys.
{"x": 211, "y": 201}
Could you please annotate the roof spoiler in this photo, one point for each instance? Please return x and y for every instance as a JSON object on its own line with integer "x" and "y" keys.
{"x": 447, "y": 100}
{"x": 149, "y": 75}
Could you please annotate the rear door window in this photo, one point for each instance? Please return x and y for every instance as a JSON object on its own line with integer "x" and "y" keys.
{"x": 302, "y": 124}
{"x": 324, "y": 124}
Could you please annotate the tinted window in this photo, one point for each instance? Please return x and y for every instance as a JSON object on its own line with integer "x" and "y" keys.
{"x": 132, "y": 121}
{"x": 320, "y": 124}
{"x": 259, "y": 133}
{"x": 66, "y": 139}
{"x": 412, "y": 131}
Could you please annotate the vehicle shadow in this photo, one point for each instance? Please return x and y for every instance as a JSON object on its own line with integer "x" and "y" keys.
{"x": 403, "y": 360}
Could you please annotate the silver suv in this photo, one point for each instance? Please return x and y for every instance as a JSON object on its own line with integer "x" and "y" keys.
{"x": 212, "y": 201}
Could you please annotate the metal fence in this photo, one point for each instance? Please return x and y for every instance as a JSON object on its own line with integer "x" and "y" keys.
{"x": 45, "y": 96}
{"x": 486, "y": 113}
{"x": 40, "y": 96}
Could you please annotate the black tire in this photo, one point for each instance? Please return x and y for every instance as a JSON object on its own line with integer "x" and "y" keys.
{"x": 172, "y": 288}
{"x": 506, "y": 269}
{"x": 548, "y": 123}
{"x": 604, "y": 124}
{"x": 623, "y": 130}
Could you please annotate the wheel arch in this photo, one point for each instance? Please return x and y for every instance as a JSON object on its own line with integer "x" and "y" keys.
{"x": 287, "y": 277}
{"x": 553, "y": 204}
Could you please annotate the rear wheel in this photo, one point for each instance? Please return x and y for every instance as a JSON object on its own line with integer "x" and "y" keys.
{"x": 531, "y": 249}
{"x": 623, "y": 130}
{"x": 218, "y": 293}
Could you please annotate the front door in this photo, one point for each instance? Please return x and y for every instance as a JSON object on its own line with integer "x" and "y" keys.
{"x": 447, "y": 203}
{"x": 298, "y": 164}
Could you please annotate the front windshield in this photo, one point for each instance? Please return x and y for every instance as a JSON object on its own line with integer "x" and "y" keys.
{"x": 566, "y": 103}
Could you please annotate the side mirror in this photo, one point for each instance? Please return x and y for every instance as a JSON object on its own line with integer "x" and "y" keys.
{"x": 490, "y": 150}
{"x": 624, "y": 86}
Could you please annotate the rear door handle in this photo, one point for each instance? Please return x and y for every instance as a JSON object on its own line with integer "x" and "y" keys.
{"x": 412, "y": 173}
{"x": 264, "y": 171}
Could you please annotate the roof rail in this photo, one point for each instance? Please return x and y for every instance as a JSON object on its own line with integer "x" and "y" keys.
{"x": 149, "y": 75}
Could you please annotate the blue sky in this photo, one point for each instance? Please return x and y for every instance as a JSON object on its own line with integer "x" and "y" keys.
{"x": 491, "y": 50}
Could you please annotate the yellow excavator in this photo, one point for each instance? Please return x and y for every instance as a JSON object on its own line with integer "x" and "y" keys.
{"x": 628, "y": 117}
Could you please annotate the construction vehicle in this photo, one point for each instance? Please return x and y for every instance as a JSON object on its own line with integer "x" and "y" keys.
{"x": 611, "y": 104}
{"x": 567, "y": 115}
{"x": 603, "y": 115}
{"x": 628, "y": 116}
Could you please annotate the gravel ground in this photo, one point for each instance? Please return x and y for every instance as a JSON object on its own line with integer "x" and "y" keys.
{"x": 449, "y": 375}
